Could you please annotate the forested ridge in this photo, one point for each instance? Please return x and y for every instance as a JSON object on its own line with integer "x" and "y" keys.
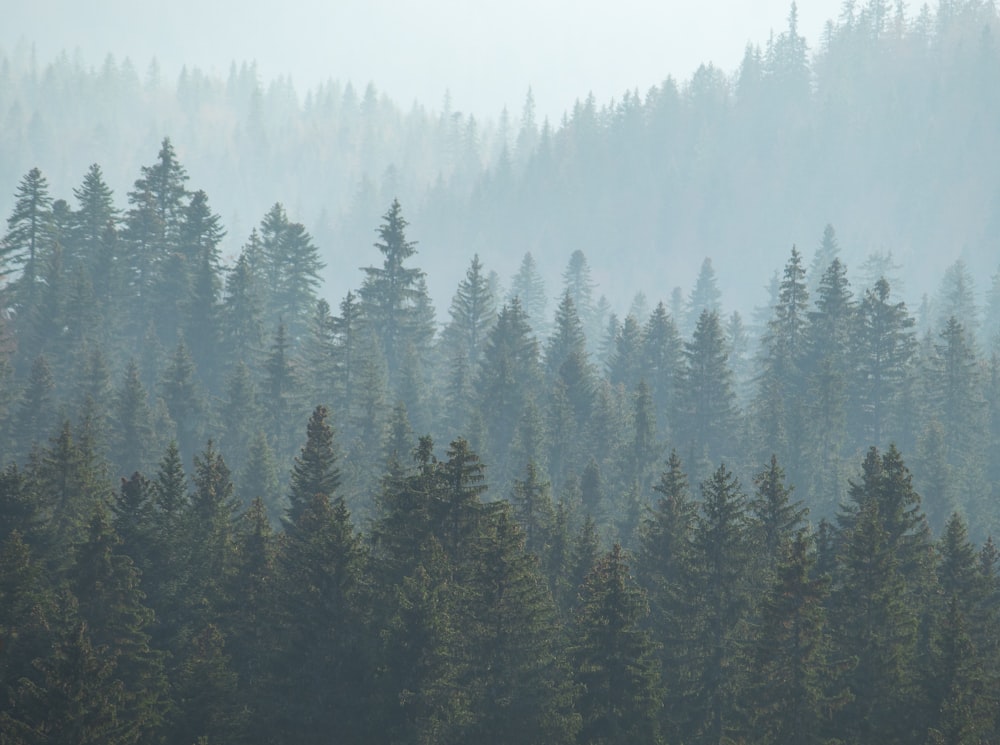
{"x": 229, "y": 512}
{"x": 260, "y": 484}
{"x": 885, "y": 127}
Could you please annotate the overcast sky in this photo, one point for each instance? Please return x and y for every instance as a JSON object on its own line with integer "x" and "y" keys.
{"x": 486, "y": 54}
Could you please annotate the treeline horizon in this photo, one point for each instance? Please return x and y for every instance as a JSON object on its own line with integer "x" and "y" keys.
{"x": 884, "y": 130}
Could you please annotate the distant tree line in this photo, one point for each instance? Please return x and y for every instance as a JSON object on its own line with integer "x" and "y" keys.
{"x": 884, "y": 128}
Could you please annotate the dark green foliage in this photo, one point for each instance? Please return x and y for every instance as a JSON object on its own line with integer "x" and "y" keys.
{"x": 792, "y": 686}
{"x": 315, "y": 470}
{"x": 723, "y": 548}
{"x": 614, "y": 658}
{"x": 667, "y": 573}
{"x": 708, "y": 403}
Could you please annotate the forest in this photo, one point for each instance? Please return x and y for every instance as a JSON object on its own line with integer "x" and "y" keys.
{"x": 236, "y": 507}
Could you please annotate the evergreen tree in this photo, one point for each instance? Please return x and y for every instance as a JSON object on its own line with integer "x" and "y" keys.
{"x": 320, "y": 659}
{"x": 34, "y": 419}
{"x": 614, "y": 657}
{"x": 183, "y": 398}
{"x": 709, "y": 404}
{"x": 829, "y": 374}
{"x": 243, "y": 306}
{"x": 705, "y": 297}
{"x": 315, "y": 470}
{"x": 28, "y": 238}
{"x": 790, "y": 690}
{"x": 625, "y": 367}
{"x": 528, "y": 288}
{"x": 578, "y": 285}
{"x": 666, "y": 571}
{"x": 661, "y": 364}
{"x": 110, "y": 607}
{"x": 533, "y": 509}
{"x": 473, "y": 313}
{"x": 778, "y": 519}
{"x": 723, "y": 552}
{"x": 202, "y": 326}
{"x": 94, "y": 223}
{"x": 507, "y": 379}
{"x": 882, "y": 349}
{"x": 883, "y": 559}
{"x": 392, "y": 292}
{"x": 132, "y": 434}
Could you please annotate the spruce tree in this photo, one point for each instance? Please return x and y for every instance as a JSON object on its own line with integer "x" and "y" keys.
{"x": 614, "y": 657}
{"x": 315, "y": 470}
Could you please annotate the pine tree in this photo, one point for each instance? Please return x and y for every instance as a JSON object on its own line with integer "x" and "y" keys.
{"x": 882, "y": 349}
{"x": 27, "y": 238}
{"x": 778, "y": 519}
{"x": 705, "y": 297}
{"x": 35, "y": 415}
{"x": 531, "y": 498}
{"x": 790, "y": 689}
{"x": 778, "y": 412}
{"x": 153, "y": 227}
{"x": 473, "y": 313}
{"x": 722, "y": 543}
{"x": 579, "y": 286}
{"x": 132, "y": 433}
{"x": 106, "y": 585}
{"x": 281, "y": 388}
{"x": 508, "y": 378}
{"x": 94, "y": 223}
{"x": 528, "y": 288}
{"x": 243, "y": 306}
{"x": 884, "y": 550}
{"x": 625, "y": 367}
{"x": 709, "y": 403}
{"x": 182, "y": 395}
{"x": 391, "y": 292}
{"x": 202, "y": 325}
{"x": 661, "y": 363}
{"x": 322, "y": 664}
{"x": 315, "y": 470}
{"x": 666, "y": 571}
{"x": 829, "y": 374}
{"x": 521, "y": 684}
{"x": 615, "y": 658}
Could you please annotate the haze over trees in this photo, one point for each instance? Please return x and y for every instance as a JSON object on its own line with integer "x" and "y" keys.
{"x": 238, "y": 504}
{"x": 882, "y": 129}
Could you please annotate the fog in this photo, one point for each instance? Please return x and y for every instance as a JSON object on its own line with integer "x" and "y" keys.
{"x": 485, "y": 54}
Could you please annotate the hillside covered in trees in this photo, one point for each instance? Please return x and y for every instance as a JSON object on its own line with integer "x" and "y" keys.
{"x": 264, "y": 484}
{"x": 887, "y": 130}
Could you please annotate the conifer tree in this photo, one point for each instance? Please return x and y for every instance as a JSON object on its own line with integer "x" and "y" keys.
{"x": 791, "y": 696}
{"x": 723, "y": 551}
{"x": 315, "y": 470}
{"x": 132, "y": 438}
{"x": 661, "y": 364}
{"x": 883, "y": 347}
{"x": 709, "y": 403}
{"x": 473, "y": 313}
{"x": 391, "y": 293}
{"x": 27, "y": 239}
{"x": 614, "y": 657}
{"x": 528, "y": 288}
{"x": 665, "y": 570}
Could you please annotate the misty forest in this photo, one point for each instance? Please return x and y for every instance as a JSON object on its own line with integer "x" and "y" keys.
{"x": 675, "y": 422}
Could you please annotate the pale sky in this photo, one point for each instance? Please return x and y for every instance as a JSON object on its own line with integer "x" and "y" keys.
{"x": 486, "y": 54}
